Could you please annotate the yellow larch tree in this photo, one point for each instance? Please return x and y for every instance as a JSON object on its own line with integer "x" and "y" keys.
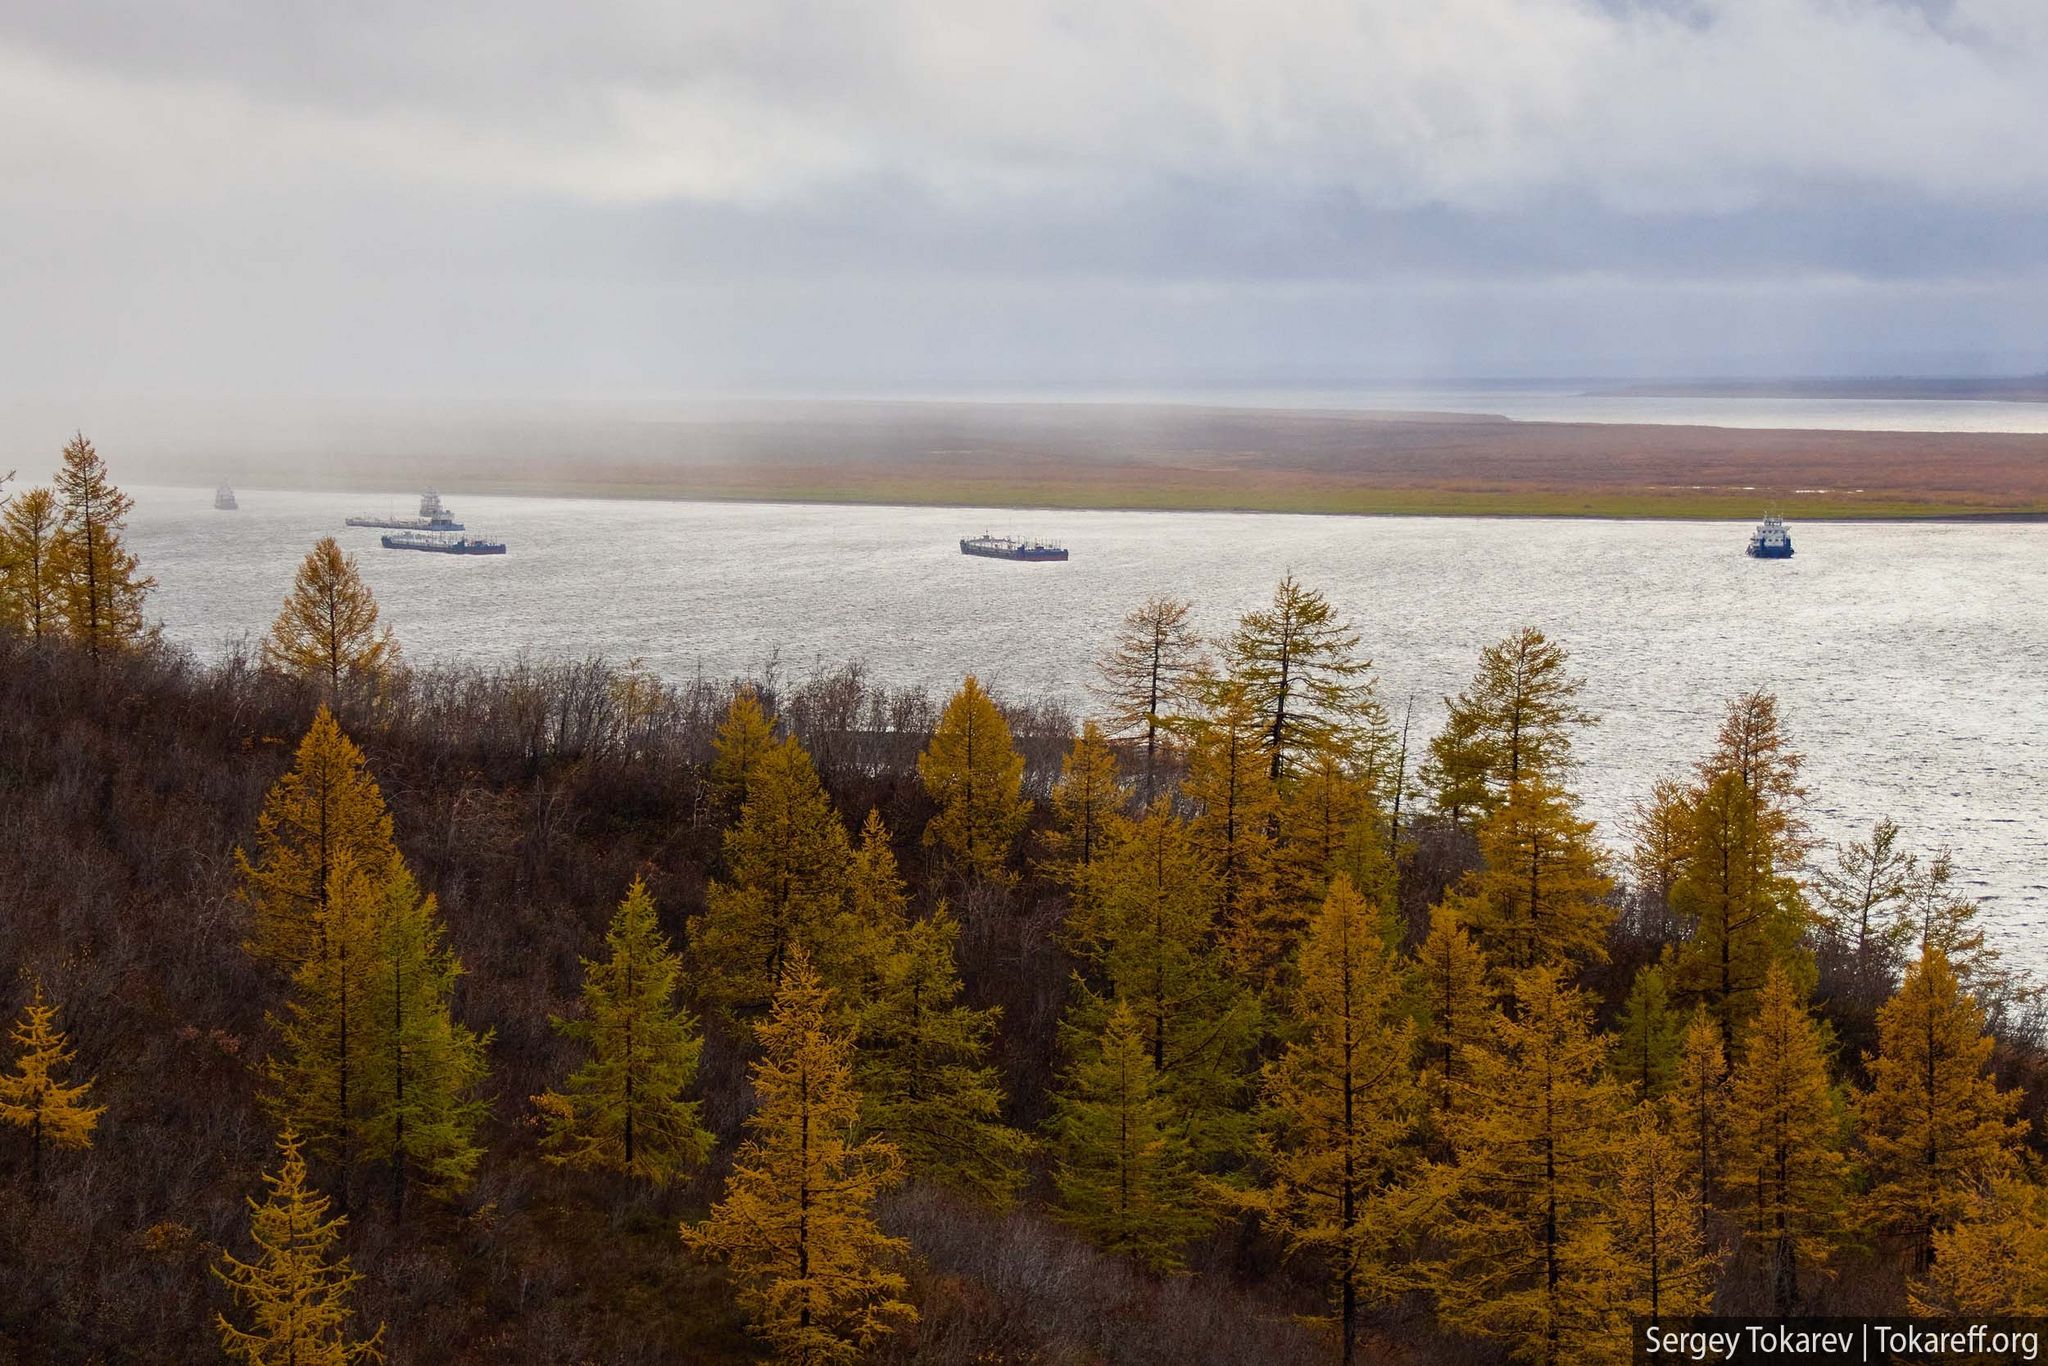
{"x": 975, "y": 776}
{"x": 1121, "y": 1169}
{"x": 1320, "y": 809}
{"x": 1935, "y": 1124}
{"x": 325, "y": 812}
{"x": 1787, "y": 1178}
{"x": 1236, "y": 813}
{"x": 623, "y": 1109}
{"x": 294, "y": 1296}
{"x": 1659, "y": 830}
{"x": 809, "y": 1267}
{"x": 1994, "y": 1261}
{"x": 1453, "y": 984}
{"x": 788, "y": 868}
{"x": 99, "y": 591}
{"x": 1646, "y": 1036}
{"x": 1699, "y": 1106}
{"x": 1665, "y": 1266}
{"x": 1088, "y": 806}
{"x": 1540, "y": 898}
{"x": 29, "y": 601}
{"x": 34, "y": 1097}
{"x": 1514, "y": 723}
{"x": 739, "y": 750}
{"x": 1147, "y": 674}
{"x": 1297, "y": 661}
{"x": 1342, "y": 1105}
{"x": 327, "y": 631}
{"x": 1530, "y": 1259}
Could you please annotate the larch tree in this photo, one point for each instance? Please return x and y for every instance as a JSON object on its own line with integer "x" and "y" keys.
{"x": 739, "y": 750}
{"x": 1935, "y": 1124}
{"x": 1860, "y": 904}
{"x": 1530, "y": 1261}
{"x": 1147, "y": 939}
{"x": 1994, "y": 1261}
{"x": 1659, "y": 831}
{"x": 30, "y": 601}
{"x": 1149, "y": 672}
{"x": 1453, "y": 982}
{"x": 788, "y": 867}
{"x": 425, "y": 1068}
{"x": 1787, "y": 1177}
{"x": 851, "y": 951}
{"x": 1327, "y": 801}
{"x": 327, "y": 631}
{"x": 1699, "y": 1106}
{"x": 1752, "y": 745}
{"x": 1088, "y": 805}
{"x": 1646, "y": 1036}
{"x": 34, "y": 1097}
{"x": 796, "y": 1231}
{"x": 974, "y": 775}
{"x": 1236, "y": 811}
{"x": 325, "y": 812}
{"x": 1514, "y": 722}
{"x": 1540, "y": 897}
{"x": 1342, "y": 1106}
{"x": 1743, "y": 903}
{"x": 1666, "y": 1267}
{"x": 1935, "y": 917}
{"x": 1298, "y": 663}
{"x": 623, "y": 1110}
{"x": 99, "y": 591}
{"x": 294, "y": 1297}
{"x": 921, "y": 1064}
{"x": 1121, "y": 1169}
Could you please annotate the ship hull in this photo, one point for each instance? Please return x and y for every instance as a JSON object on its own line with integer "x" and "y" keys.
{"x": 1027, "y": 555}
{"x": 451, "y": 548}
{"x": 406, "y": 524}
{"x": 1770, "y": 552}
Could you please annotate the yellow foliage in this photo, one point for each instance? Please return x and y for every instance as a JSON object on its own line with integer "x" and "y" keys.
{"x": 739, "y": 749}
{"x": 1540, "y": 897}
{"x": 327, "y": 631}
{"x": 33, "y": 1097}
{"x": 1995, "y": 1259}
{"x": 99, "y": 593}
{"x": 29, "y": 588}
{"x": 975, "y": 776}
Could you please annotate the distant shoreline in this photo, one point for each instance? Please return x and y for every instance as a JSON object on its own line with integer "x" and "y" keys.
{"x": 2021, "y": 389}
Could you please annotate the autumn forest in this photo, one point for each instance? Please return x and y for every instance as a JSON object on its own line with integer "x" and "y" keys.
{"x": 363, "y": 1011}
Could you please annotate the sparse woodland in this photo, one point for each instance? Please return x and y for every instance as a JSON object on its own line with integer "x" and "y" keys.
{"x": 563, "y": 1013}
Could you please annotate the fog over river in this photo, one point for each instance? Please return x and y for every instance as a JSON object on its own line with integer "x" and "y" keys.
{"x": 1911, "y": 660}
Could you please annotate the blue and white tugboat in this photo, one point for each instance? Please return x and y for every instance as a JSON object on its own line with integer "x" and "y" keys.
{"x": 1007, "y": 548}
{"x": 1770, "y": 540}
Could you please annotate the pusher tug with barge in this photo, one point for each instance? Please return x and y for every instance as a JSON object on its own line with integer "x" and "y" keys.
{"x": 1008, "y": 548}
{"x": 433, "y": 517}
{"x": 442, "y": 544}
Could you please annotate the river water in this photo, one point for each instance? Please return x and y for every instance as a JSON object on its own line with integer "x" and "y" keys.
{"x": 1911, "y": 660}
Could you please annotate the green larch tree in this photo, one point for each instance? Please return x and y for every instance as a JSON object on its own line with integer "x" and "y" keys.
{"x": 1647, "y": 1035}
{"x": 34, "y": 1097}
{"x": 1088, "y": 806}
{"x": 975, "y": 776}
{"x": 623, "y": 1110}
{"x": 327, "y": 631}
{"x": 325, "y": 812}
{"x": 1787, "y": 1178}
{"x": 788, "y": 868}
{"x": 99, "y": 591}
{"x": 1122, "y": 1169}
{"x": 1515, "y": 722}
{"x": 294, "y": 1296}
{"x": 795, "y": 1229}
{"x": 1149, "y": 672}
{"x": 1935, "y": 1124}
{"x": 1298, "y": 663}
{"x": 1236, "y": 812}
{"x": 1341, "y": 1109}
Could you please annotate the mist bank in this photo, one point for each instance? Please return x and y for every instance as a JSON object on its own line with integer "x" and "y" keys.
{"x": 1967, "y": 388}
{"x": 1066, "y": 455}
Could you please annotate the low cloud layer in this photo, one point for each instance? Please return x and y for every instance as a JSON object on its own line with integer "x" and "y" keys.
{"x": 650, "y": 198}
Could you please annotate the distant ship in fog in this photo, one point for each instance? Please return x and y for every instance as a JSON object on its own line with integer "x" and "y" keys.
{"x": 1007, "y": 548}
{"x": 433, "y": 517}
{"x": 224, "y": 499}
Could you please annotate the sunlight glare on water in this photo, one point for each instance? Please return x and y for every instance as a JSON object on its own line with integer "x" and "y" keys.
{"x": 1910, "y": 659}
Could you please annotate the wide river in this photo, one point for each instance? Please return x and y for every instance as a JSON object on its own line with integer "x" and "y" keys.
{"x": 1911, "y": 660}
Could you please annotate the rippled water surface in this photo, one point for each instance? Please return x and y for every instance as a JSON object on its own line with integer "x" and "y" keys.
{"x": 1911, "y": 660}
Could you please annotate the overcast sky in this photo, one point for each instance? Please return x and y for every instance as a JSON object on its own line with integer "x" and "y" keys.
{"x": 234, "y": 197}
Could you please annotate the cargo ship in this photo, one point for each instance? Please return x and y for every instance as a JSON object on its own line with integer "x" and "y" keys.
{"x": 433, "y": 517}
{"x": 1770, "y": 540}
{"x": 442, "y": 544}
{"x": 224, "y": 499}
{"x": 1007, "y": 548}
